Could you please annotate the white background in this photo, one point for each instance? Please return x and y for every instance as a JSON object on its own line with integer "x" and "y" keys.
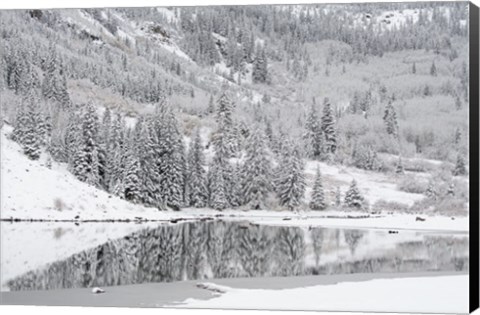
{"x": 28, "y": 4}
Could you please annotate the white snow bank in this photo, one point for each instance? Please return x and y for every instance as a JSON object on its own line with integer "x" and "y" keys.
{"x": 443, "y": 294}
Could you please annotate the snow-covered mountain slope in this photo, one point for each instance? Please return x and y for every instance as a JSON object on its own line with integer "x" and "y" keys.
{"x": 30, "y": 190}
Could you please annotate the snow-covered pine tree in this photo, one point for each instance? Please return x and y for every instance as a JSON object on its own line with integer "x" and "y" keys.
{"x": 44, "y": 126}
{"x": 150, "y": 174}
{"x": 50, "y": 73}
{"x": 390, "y": 119}
{"x": 260, "y": 66}
{"x": 313, "y": 135}
{"x": 197, "y": 180}
{"x": 317, "y": 201}
{"x": 132, "y": 188}
{"x": 414, "y": 68}
{"x": 328, "y": 127}
{"x": 115, "y": 155}
{"x": 103, "y": 149}
{"x": 460, "y": 166}
{"x": 84, "y": 160}
{"x": 31, "y": 139}
{"x": 20, "y": 123}
{"x": 171, "y": 161}
{"x": 61, "y": 90}
{"x": 353, "y": 197}
{"x": 216, "y": 182}
{"x": 256, "y": 173}
{"x": 225, "y": 128}
{"x": 93, "y": 177}
{"x": 218, "y": 193}
{"x": 291, "y": 184}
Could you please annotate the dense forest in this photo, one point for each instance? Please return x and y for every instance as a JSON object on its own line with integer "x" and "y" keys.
{"x": 222, "y": 107}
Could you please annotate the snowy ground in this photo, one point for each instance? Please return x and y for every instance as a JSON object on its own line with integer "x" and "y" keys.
{"x": 413, "y": 292}
{"x": 30, "y": 190}
{"x": 445, "y": 294}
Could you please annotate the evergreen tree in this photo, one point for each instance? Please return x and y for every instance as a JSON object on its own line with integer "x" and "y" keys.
{"x": 460, "y": 166}
{"x": 328, "y": 127}
{"x": 291, "y": 185}
{"x": 30, "y": 138}
{"x": 197, "y": 183}
{"x": 86, "y": 155}
{"x": 353, "y": 197}
{"x": 225, "y": 138}
{"x": 171, "y": 160}
{"x": 132, "y": 181}
{"x": 148, "y": 157}
{"x": 115, "y": 155}
{"x": 93, "y": 177}
{"x": 21, "y": 122}
{"x": 313, "y": 135}
{"x": 50, "y": 73}
{"x": 318, "y": 195}
{"x": 256, "y": 174}
{"x": 414, "y": 68}
{"x": 390, "y": 119}
{"x": 218, "y": 191}
{"x": 260, "y": 67}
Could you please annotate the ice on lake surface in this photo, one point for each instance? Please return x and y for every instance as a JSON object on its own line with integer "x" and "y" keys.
{"x": 226, "y": 249}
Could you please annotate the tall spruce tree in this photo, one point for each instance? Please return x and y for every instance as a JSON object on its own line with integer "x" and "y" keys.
{"x": 328, "y": 127}
{"x": 291, "y": 185}
{"x": 217, "y": 186}
{"x": 460, "y": 166}
{"x": 197, "y": 180}
{"x": 313, "y": 137}
{"x": 256, "y": 174}
{"x": 31, "y": 139}
{"x": 225, "y": 138}
{"x": 85, "y": 162}
{"x": 353, "y": 197}
{"x": 132, "y": 188}
{"x": 171, "y": 159}
{"x": 390, "y": 119}
{"x": 318, "y": 195}
{"x": 149, "y": 156}
{"x": 260, "y": 66}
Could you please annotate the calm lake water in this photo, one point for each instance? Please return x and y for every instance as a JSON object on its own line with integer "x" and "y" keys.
{"x": 227, "y": 249}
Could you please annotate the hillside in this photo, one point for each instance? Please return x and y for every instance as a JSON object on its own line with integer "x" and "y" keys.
{"x": 235, "y": 109}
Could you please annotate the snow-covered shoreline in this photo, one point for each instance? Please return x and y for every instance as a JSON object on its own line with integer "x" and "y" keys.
{"x": 392, "y": 292}
{"x": 32, "y": 192}
{"x": 416, "y": 294}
